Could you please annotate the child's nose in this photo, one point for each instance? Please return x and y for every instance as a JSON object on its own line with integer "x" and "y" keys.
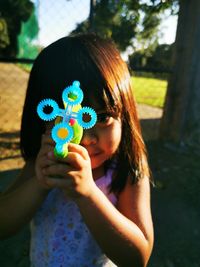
{"x": 89, "y": 138}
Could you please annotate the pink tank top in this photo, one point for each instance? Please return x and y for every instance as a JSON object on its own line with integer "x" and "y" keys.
{"x": 59, "y": 236}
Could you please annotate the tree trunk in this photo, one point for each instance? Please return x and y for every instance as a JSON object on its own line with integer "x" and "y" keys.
{"x": 91, "y": 15}
{"x": 181, "y": 117}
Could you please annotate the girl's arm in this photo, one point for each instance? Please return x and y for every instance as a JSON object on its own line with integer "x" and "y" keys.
{"x": 125, "y": 234}
{"x": 20, "y": 201}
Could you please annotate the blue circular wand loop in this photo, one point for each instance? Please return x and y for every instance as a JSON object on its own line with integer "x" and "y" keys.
{"x": 91, "y": 113}
{"x": 62, "y": 132}
{"x": 47, "y": 103}
{"x": 73, "y": 95}
{"x": 65, "y": 126}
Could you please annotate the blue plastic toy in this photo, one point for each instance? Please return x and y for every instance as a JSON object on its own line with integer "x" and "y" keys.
{"x": 69, "y": 123}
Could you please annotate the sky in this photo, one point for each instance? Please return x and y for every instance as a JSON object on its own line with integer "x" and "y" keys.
{"x": 58, "y": 18}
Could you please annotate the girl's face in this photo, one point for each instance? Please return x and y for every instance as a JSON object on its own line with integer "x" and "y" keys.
{"x": 102, "y": 141}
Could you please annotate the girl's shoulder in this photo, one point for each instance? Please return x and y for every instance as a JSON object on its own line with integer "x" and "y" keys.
{"x": 104, "y": 183}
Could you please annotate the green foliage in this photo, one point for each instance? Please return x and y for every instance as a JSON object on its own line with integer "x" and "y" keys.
{"x": 128, "y": 20}
{"x": 161, "y": 57}
{"x": 158, "y": 58}
{"x": 14, "y": 13}
{"x": 4, "y": 38}
{"x": 27, "y": 48}
{"x": 113, "y": 19}
{"x": 25, "y": 67}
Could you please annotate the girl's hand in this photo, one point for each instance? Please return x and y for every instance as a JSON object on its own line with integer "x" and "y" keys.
{"x": 75, "y": 170}
{"x": 42, "y": 160}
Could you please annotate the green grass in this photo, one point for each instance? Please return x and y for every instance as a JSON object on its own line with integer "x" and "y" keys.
{"x": 26, "y": 67}
{"x": 150, "y": 91}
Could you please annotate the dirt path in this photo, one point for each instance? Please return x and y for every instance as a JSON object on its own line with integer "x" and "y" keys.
{"x": 13, "y": 82}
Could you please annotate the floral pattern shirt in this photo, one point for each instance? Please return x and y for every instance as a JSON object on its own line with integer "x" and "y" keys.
{"x": 59, "y": 236}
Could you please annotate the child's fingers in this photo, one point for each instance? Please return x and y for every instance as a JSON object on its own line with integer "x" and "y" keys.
{"x": 56, "y": 170}
{"x": 47, "y": 144}
{"x": 72, "y": 148}
{"x": 60, "y": 183}
{"x": 44, "y": 150}
{"x": 47, "y": 139}
{"x": 48, "y": 131}
{"x": 78, "y": 149}
{"x": 44, "y": 162}
{"x": 74, "y": 159}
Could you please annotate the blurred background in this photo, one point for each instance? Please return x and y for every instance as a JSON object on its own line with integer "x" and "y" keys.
{"x": 160, "y": 42}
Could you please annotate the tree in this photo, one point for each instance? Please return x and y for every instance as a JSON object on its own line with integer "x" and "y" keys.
{"x": 4, "y": 38}
{"x": 29, "y": 31}
{"x": 127, "y": 20}
{"x": 14, "y": 13}
{"x": 181, "y": 118}
{"x": 158, "y": 58}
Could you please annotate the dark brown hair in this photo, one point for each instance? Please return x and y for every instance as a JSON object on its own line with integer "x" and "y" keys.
{"x": 104, "y": 78}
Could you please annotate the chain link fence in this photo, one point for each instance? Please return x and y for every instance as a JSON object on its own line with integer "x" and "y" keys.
{"x": 50, "y": 21}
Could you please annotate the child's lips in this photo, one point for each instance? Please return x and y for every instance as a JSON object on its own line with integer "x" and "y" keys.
{"x": 93, "y": 152}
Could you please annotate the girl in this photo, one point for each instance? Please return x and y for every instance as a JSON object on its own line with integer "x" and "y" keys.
{"x": 97, "y": 213}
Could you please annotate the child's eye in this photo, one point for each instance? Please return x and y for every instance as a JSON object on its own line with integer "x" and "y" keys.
{"x": 103, "y": 118}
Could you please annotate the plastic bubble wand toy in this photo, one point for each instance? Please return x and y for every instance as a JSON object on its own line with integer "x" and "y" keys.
{"x": 69, "y": 123}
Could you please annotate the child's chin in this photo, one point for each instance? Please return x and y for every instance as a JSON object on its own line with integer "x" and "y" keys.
{"x": 96, "y": 163}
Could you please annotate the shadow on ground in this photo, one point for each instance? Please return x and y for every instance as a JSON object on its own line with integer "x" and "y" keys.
{"x": 9, "y": 135}
{"x": 9, "y": 145}
{"x": 175, "y": 206}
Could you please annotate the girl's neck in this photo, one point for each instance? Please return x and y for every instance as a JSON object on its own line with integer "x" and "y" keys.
{"x": 98, "y": 172}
